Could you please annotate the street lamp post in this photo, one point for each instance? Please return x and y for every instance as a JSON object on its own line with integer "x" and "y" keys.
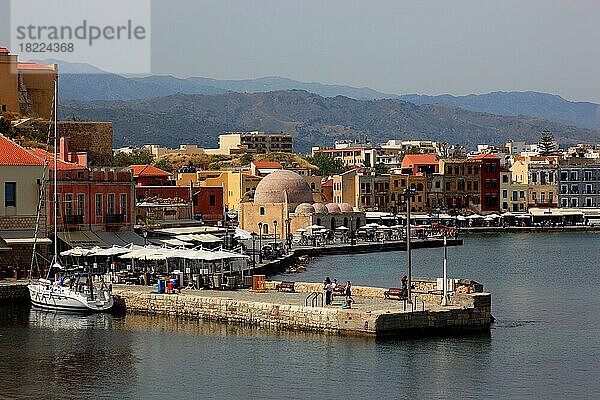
{"x": 275, "y": 235}
{"x": 253, "y": 235}
{"x": 260, "y": 226}
{"x": 445, "y": 284}
{"x": 288, "y": 235}
{"x": 408, "y": 193}
{"x": 145, "y": 235}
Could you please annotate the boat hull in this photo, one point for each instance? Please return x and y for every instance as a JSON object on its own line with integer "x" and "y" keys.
{"x": 53, "y": 297}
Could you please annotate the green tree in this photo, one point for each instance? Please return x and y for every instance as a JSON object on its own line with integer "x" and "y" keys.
{"x": 6, "y": 128}
{"x": 326, "y": 164}
{"x": 546, "y": 144}
{"x": 134, "y": 158}
{"x": 381, "y": 169}
{"x": 165, "y": 164}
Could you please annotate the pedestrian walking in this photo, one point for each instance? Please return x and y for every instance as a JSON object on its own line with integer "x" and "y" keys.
{"x": 348, "y": 293}
{"x": 328, "y": 291}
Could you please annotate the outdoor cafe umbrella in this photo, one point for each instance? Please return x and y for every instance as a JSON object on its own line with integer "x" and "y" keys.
{"x": 342, "y": 228}
{"x": 77, "y": 252}
{"x": 300, "y": 230}
{"x": 314, "y": 227}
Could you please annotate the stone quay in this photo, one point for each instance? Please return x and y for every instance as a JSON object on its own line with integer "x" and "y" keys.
{"x": 371, "y": 314}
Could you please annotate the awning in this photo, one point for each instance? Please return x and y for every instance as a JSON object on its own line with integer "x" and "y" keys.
{"x": 189, "y": 230}
{"x": 81, "y": 239}
{"x": 90, "y": 239}
{"x": 22, "y": 237}
{"x": 203, "y": 238}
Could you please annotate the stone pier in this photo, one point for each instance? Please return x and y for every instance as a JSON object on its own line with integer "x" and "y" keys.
{"x": 371, "y": 315}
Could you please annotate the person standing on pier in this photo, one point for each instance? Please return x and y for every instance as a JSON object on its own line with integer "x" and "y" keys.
{"x": 328, "y": 291}
{"x": 348, "y": 293}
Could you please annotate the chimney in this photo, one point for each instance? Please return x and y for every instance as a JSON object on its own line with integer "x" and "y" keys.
{"x": 64, "y": 149}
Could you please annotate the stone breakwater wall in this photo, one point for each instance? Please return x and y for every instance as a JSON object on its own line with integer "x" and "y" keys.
{"x": 424, "y": 289}
{"x": 12, "y": 293}
{"x": 473, "y": 314}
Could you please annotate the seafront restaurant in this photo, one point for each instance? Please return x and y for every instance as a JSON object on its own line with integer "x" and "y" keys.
{"x": 144, "y": 264}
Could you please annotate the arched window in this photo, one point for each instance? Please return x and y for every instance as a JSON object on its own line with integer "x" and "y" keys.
{"x": 318, "y": 221}
{"x": 346, "y": 222}
{"x": 357, "y": 223}
{"x": 312, "y": 186}
{"x": 419, "y": 187}
{"x": 265, "y": 229}
{"x": 332, "y": 223}
{"x": 262, "y": 211}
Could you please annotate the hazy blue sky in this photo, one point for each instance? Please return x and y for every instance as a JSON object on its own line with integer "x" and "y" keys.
{"x": 395, "y": 46}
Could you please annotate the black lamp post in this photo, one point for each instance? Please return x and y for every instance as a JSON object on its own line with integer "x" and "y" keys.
{"x": 145, "y": 235}
{"x": 408, "y": 193}
{"x": 254, "y": 235}
{"x": 352, "y": 238}
{"x": 288, "y": 223}
{"x": 275, "y": 235}
{"x": 260, "y": 226}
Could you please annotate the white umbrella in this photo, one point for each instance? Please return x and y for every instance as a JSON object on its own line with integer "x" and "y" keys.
{"x": 300, "y": 230}
{"x": 76, "y": 252}
{"x": 112, "y": 251}
{"x": 342, "y": 228}
{"x": 474, "y": 216}
{"x": 461, "y": 218}
{"x": 242, "y": 234}
{"x": 313, "y": 227}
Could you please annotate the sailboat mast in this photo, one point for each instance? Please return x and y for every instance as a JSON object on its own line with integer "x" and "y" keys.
{"x": 56, "y": 205}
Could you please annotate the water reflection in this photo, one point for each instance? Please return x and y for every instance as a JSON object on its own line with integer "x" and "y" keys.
{"x": 63, "y": 355}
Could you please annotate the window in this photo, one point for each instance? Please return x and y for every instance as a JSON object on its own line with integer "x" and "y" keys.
{"x": 475, "y": 185}
{"x": 534, "y": 196}
{"x": 437, "y": 184}
{"x": 564, "y": 202}
{"x": 522, "y": 194}
{"x": 395, "y": 183}
{"x": 543, "y": 197}
{"x": 504, "y": 178}
{"x": 550, "y": 177}
{"x": 514, "y": 195}
{"x": 469, "y": 185}
{"x": 69, "y": 204}
{"x": 99, "y": 205}
{"x": 110, "y": 204}
{"x": 574, "y": 202}
{"x": 550, "y": 197}
{"x": 505, "y": 206}
{"x": 123, "y": 202}
{"x": 262, "y": 211}
{"x": 563, "y": 189}
{"x": 10, "y": 194}
{"x": 81, "y": 204}
{"x": 505, "y": 194}
{"x": 564, "y": 176}
{"x": 573, "y": 175}
{"x": 447, "y": 185}
{"x": 212, "y": 200}
{"x": 534, "y": 177}
{"x": 588, "y": 189}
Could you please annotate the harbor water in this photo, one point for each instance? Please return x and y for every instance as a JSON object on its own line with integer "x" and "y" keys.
{"x": 545, "y": 342}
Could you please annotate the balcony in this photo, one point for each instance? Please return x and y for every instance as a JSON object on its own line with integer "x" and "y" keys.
{"x": 72, "y": 220}
{"x": 115, "y": 219}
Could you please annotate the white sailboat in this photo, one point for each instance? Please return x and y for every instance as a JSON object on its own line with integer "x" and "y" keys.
{"x": 69, "y": 292}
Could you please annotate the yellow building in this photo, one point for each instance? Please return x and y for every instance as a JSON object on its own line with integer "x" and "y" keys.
{"x": 540, "y": 176}
{"x": 398, "y": 185}
{"x": 253, "y": 142}
{"x": 237, "y": 185}
{"x": 283, "y": 203}
{"x": 26, "y": 88}
{"x": 513, "y": 195}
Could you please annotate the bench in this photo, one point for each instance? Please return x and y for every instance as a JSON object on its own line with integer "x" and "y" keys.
{"x": 285, "y": 286}
{"x": 395, "y": 292}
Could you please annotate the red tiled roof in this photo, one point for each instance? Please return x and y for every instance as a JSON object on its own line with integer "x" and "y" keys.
{"x": 267, "y": 164}
{"x": 328, "y": 183}
{"x": 34, "y": 66}
{"x": 412, "y": 159}
{"x": 13, "y": 154}
{"x": 147, "y": 170}
{"x": 4, "y": 50}
{"x": 43, "y": 155}
{"x": 482, "y": 156}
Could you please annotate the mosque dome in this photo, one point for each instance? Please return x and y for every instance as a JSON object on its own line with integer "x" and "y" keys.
{"x": 273, "y": 187}
{"x": 333, "y": 208}
{"x": 345, "y": 207}
{"x": 304, "y": 208}
{"x": 320, "y": 208}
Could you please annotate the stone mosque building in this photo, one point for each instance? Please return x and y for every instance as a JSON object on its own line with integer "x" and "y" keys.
{"x": 285, "y": 197}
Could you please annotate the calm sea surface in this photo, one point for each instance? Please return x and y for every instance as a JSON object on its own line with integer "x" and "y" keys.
{"x": 545, "y": 344}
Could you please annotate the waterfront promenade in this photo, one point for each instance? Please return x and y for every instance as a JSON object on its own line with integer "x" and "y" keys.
{"x": 370, "y": 315}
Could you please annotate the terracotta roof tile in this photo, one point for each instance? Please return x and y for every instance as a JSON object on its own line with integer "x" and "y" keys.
{"x": 13, "y": 154}
{"x": 412, "y": 159}
{"x": 33, "y": 66}
{"x": 147, "y": 170}
{"x": 62, "y": 165}
{"x": 267, "y": 164}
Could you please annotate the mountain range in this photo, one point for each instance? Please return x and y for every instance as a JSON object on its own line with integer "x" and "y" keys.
{"x": 81, "y": 81}
{"x": 313, "y": 119}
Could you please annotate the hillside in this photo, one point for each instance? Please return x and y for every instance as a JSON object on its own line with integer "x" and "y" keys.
{"x": 540, "y": 105}
{"x": 314, "y": 120}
